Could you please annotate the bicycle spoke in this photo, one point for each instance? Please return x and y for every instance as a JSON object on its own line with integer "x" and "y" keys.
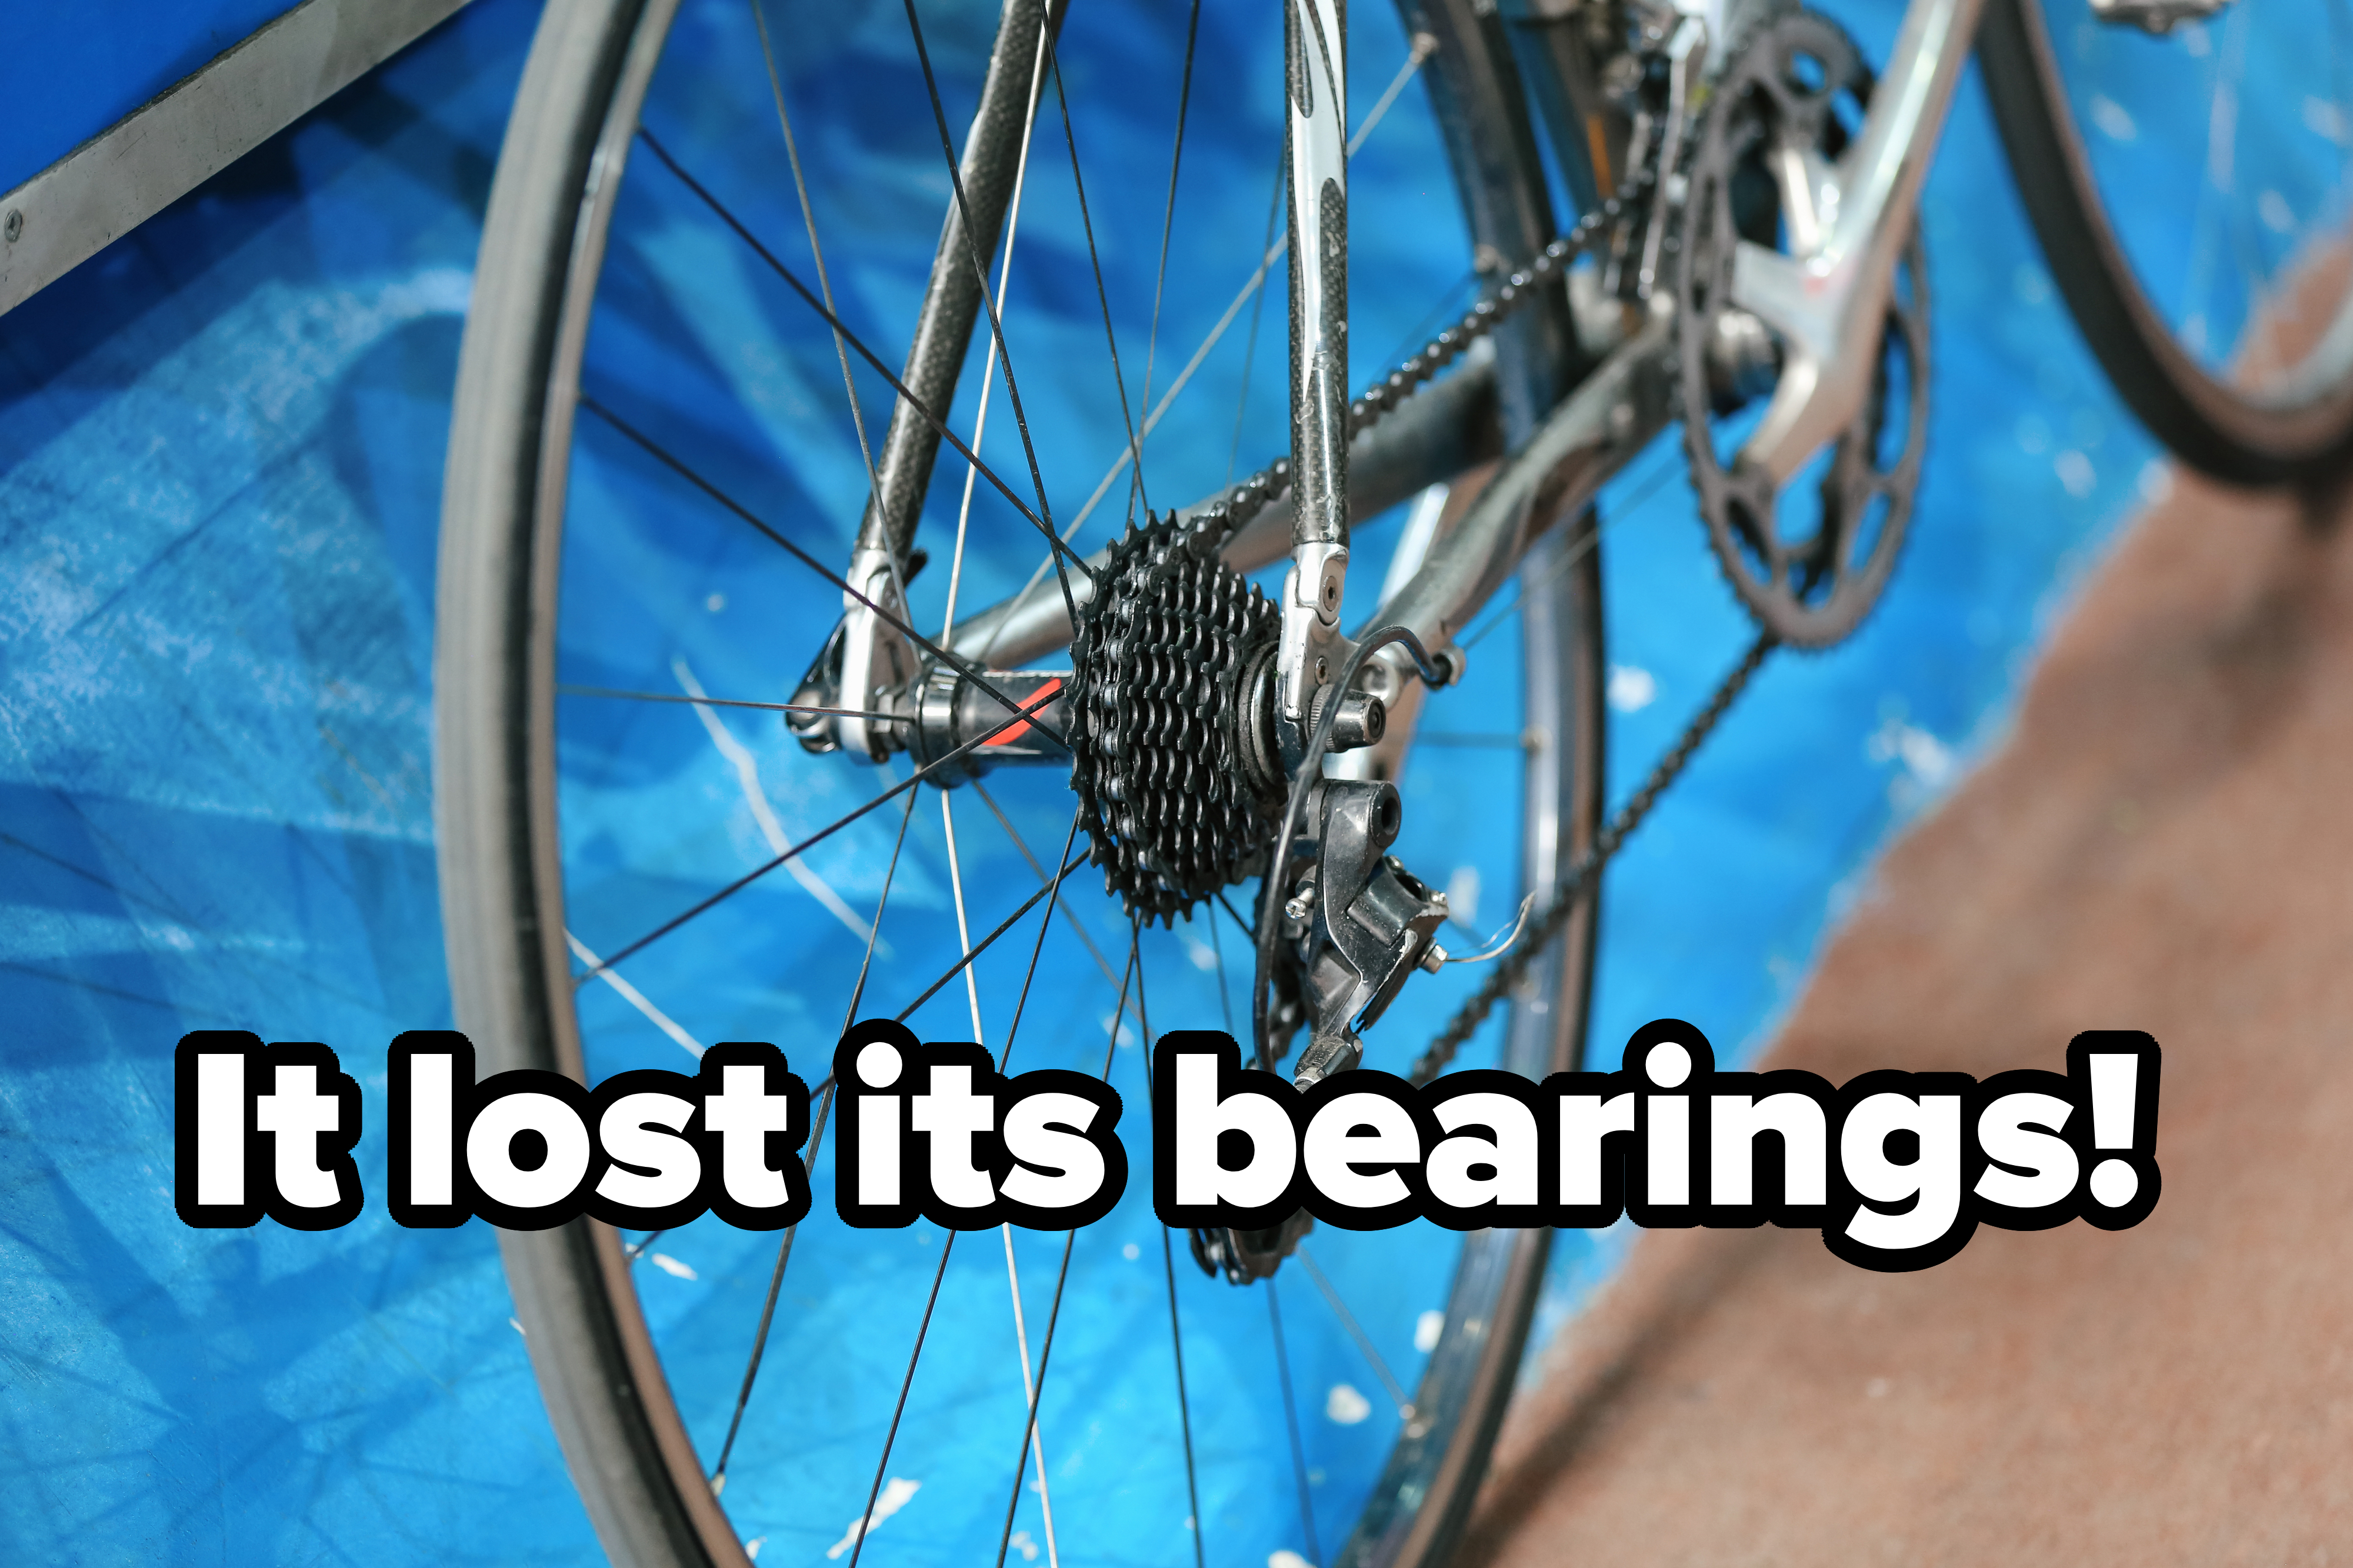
{"x": 1029, "y": 1396}
{"x": 2241, "y": 237}
{"x": 1054, "y": 1316}
{"x": 670, "y": 461}
{"x": 1068, "y": 914}
{"x": 817, "y": 251}
{"x": 825, "y": 286}
{"x": 1184, "y": 1410}
{"x": 980, "y": 271}
{"x": 2213, "y": 198}
{"x": 867, "y": 714}
{"x": 1249, "y": 290}
{"x": 1184, "y": 378}
{"x": 1103, "y": 296}
{"x": 1424, "y": 46}
{"x": 1133, "y": 450}
{"x": 1258, "y": 310}
{"x": 1004, "y": 279}
{"x": 1448, "y": 307}
{"x": 1029, "y": 976}
{"x": 1290, "y": 1420}
{"x": 866, "y": 965}
{"x": 811, "y": 842}
{"x": 1356, "y": 1331}
{"x": 1029, "y": 1424}
{"x": 964, "y": 930}
{"x": 1246, "y": 928}
{"x": 986, "y": 942}
{"x": 1648, "y": 487}
{"x": 891, "y": 1437}
{"x": 922, "y": 410}
{"x": 1167, "y": 229}
{"x": 1152, "y": 419}
{"x": 634, "y": 998}
{"x": 1217, "y": 955}
{"x": 755, "y": 798}
{"x": 768, "y": 1304}
{"x": 1119, "y": 1012}
{"x": 1168, "y": 1271}
{"x": 816, "y": 1142}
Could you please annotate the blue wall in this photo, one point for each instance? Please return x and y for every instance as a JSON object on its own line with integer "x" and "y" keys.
{"x": 68, "y": 70}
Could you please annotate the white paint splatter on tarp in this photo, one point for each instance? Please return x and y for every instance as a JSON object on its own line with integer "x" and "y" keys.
{"x": 1632, "y": 687}
{"x": 895, "y": 1494}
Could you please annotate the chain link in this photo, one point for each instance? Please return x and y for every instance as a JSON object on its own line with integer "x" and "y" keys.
{"x": 1234, "y": 511}
{"x": 1230, "y": 512}
{"x": 1575, "y": 885}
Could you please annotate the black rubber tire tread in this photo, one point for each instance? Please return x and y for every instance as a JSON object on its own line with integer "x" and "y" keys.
{"x": 2203, "y": 420}
{"x": 494, "y": 768}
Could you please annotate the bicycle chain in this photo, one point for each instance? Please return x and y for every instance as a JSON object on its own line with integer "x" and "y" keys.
{"x": 1232, "y": 512}
{"x": 1573, "y": 887}
{"x": 1235, "y": 510}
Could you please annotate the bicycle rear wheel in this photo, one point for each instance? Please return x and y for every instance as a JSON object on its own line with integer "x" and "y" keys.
{"x": 2189, "y": 193}
{"x": 617, "y": 370}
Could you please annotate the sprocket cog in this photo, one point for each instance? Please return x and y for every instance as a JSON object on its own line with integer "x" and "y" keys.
{"x": 1178, "y": 788}
{"x": 1772, "y": 125}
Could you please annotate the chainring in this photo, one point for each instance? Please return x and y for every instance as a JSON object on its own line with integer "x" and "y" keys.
{"x": 1174, "y": 789}
{"x": 1777, "y": 95}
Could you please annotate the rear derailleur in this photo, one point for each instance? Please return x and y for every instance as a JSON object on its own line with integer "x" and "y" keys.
{"x": 1172, "y": 724}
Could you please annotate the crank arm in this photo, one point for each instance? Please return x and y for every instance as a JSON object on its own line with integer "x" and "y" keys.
{"x": 1848, "y": 223}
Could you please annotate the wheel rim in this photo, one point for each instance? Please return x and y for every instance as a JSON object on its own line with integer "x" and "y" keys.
{"x": 2221, "y": 297}
{"x": 633, "y": 1411}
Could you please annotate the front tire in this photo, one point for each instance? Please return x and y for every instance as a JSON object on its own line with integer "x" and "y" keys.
{"x": 2283, "y": 424}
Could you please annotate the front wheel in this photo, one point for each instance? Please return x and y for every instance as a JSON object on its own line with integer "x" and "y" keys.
{"x": 2188, "y": 190}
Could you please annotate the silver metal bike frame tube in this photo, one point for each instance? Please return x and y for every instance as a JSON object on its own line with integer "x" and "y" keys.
{"x": 877, "y": 659}
{"x": 1449, "y": 428}
{"x": 1315, "y": 139}
{"x": 1612, "y": 415}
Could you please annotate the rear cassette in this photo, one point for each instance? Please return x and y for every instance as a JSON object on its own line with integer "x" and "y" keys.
{"x": 1177, "y": 784}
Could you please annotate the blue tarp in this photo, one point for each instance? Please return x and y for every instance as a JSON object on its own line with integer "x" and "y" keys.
{"x": 220, "y": 447}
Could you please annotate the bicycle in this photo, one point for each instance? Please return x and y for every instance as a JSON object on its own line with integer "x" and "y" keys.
{"x": 1744, "y": 264}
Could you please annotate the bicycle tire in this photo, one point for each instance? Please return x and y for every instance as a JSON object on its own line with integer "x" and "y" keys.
{"x": 2295, "y": 429}
{"x": 599, "y": 1370}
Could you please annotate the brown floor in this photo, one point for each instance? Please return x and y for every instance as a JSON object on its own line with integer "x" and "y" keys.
{"x": 2165, "y": 843}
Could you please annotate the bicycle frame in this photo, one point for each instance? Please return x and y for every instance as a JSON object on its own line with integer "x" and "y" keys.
{"x": 1847, "y": 222}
